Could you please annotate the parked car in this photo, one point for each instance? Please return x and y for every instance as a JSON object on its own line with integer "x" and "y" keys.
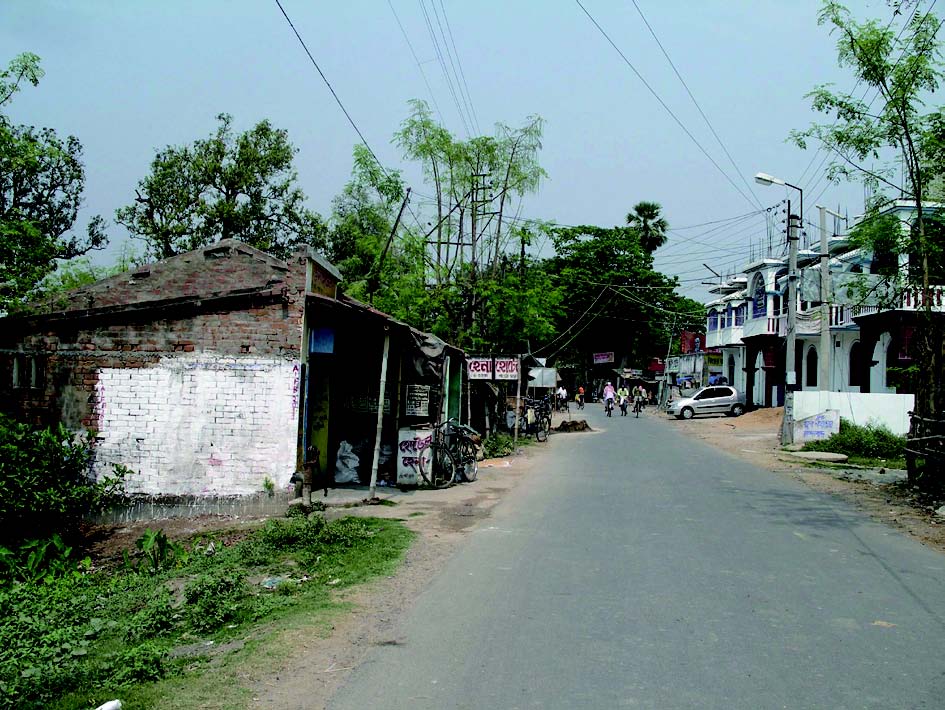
{"x": 709, "y": 400}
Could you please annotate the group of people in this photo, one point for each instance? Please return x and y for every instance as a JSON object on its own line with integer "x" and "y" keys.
{"x": 610, "y": 396}
{"x": 622, "y": 397}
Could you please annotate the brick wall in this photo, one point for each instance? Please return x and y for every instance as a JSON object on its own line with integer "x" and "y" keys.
{"x": 196, "y": 398}
{"x": 199, "y": 423}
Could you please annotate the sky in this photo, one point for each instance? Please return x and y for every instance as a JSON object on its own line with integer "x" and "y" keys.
{"x": 129, "y": 77}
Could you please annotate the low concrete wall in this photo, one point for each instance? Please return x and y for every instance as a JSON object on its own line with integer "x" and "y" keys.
{"x": 891, "y": 410}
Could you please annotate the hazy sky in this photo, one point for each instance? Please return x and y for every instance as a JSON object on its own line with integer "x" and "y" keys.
{"x": 130, "y": 77}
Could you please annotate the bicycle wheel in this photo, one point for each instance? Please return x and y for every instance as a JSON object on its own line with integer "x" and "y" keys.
{"x": 437, "y": 465}
{"x": 468, "y": 461}
{"x": 542, "y": 427}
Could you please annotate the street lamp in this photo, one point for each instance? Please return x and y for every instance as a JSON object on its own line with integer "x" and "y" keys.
{"x": 825, "y": 297}
{"x": 790, "y": 372}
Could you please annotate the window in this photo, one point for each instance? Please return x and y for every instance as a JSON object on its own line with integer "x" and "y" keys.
{"x": 758, "y": 297}
{"x": 811, "y": 380}
{"x": 854, "y": 364}
{"x": 26, "y": 371}
{"x": 740, "y": 314}
{"x": 713, "y": 320}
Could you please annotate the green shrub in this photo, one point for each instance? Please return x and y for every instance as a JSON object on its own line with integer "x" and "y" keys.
{"x": 158, "y": 552}
{"x": 870, "y": 441}
{"x": 45, "y": 481}
{"x": 40, "y": 561}
{"x": 213, "y": 599}
{"x": 498, "y": 444}
{"x": 139, "y": 664}
{"x": 155, "y": 619}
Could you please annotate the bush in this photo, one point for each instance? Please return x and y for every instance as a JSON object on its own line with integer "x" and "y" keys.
{"x": 213, "y": 599}
{"x": 870, "y": 441}
{"x": 45, "y": 481}
{"x": 498, "y": 444}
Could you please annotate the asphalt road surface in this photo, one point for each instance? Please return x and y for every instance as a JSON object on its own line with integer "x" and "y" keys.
{"x": 635, "y": 568}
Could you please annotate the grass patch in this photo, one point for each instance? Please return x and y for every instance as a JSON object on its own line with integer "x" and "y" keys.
{"x": 416, "y": 514}
{"x": 190, "y": 632}
{"x": 899, "y": 463}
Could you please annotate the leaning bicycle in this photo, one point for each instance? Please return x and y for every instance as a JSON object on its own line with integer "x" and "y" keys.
{"x": 451, "y": 456}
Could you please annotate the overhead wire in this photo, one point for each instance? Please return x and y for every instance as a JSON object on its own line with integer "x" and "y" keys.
{"x": 416, "y": 60}
{"x": 342, "y": 106}
{"x": 443, "y": 68}
{"x": 663, "y": 103}
{"x": 696, "y": 103}
{"x": 461, "y": 77}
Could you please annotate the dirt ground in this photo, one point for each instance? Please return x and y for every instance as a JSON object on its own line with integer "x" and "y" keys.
{"x": 441, "y": 519}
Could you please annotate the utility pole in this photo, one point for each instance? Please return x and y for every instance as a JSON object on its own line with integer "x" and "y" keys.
{"x": 825, "y": 300}
{"x": 375, "y": 275}
{"x": 790, "y": 371}
{"x": 664, "y": 396}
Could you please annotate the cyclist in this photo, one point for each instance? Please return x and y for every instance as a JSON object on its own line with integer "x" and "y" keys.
{"x": 623, "y": 397}
{"x": 562, "y": 402}
{"x": 609, "y": 393}
{"x": 639, "y": 399}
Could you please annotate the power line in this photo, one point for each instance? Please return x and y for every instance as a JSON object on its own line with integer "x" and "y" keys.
{"x": 417, "y": 61}
{"x": 462, "y": 75}
{"x": 663, "y": 103}
{"x": 696, "y": 103}
{"x": 342, "y": 106}
{"x": 446, "y": 74}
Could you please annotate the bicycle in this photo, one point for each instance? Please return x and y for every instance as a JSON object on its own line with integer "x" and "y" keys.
{"x": 537, "y": 418}
{"x": 465, "y": 446}
{"x": 450, "y": 455}
{"x": 609, "y": 406}
{"x": 637, "y": 406}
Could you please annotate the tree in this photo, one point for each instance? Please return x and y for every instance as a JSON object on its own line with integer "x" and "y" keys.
{"x": 646, "y": 219}
{"x": 229, "y": 186}
{"x": 42, "y": 179}
{"x": 614, "y": 300}
{"x": 900, "y": 68}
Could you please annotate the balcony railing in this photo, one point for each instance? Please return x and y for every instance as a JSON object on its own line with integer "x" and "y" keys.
{"x": 760, "y": 326}
{"x": 731, "y": 335}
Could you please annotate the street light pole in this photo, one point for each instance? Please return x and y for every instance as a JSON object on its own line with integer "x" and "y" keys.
{"x": 790, "y": 370}
{"x": 825, "y": 299}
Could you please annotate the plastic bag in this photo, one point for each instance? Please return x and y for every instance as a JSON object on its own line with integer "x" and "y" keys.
{"x": 346, "y": 464}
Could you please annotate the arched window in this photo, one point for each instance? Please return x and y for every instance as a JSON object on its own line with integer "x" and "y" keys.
{"x": 713, "y": 319}
{"x": 759, "y": 298}
{"x": 854, "y": 364}
{"x": 811, "y": 380}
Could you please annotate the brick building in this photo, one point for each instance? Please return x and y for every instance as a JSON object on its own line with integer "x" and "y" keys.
{"x": 192, "y": 372}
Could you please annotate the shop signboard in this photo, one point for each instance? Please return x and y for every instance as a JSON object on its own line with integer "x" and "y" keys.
{"x": 672, "y": 365}
{"x": 506, "y": 368}
{"x": 603, "y": 358}
{"x": 480, "y": 368}
{"x": 410, "y": 445}
{"x": 417, "y": 403}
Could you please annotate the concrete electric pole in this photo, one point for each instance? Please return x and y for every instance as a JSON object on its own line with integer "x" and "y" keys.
{"x": 824, "y": 378}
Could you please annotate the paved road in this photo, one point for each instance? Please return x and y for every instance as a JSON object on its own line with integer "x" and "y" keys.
{"x": 638, "y": 569}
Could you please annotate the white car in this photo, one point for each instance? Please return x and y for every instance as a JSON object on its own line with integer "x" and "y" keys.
{"x": 717, "y": 399}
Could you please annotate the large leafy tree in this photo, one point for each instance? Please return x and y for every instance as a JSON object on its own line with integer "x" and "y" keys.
{"x": 870, "y": 142}
{"x": 228, "y": 186}
{"x": 614, "y": 299}
{"x": 42, "y": 179}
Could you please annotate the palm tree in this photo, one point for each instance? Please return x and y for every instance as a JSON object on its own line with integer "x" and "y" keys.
{"x": 650, "y": 225}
